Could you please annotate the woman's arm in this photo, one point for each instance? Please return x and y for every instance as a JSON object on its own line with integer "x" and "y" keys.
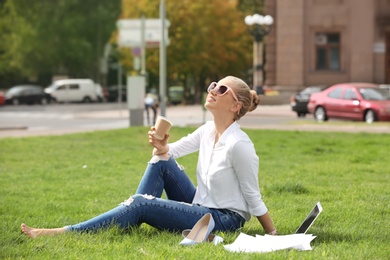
{"x": 245, "y": 162}
{"x": 266, "y": 221}
{"x": 189, "y": 143}
{"x": 184, "y": 146}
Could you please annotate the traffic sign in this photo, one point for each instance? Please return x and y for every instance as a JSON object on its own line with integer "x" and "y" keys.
{"x": 130, "y": 32}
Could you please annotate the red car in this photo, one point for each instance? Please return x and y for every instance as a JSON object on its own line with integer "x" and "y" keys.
{"x": 356, "y": 101}
{"x": 2, "y": 98}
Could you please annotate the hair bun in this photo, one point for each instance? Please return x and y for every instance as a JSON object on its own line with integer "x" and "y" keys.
{"x": 255, "y": 100}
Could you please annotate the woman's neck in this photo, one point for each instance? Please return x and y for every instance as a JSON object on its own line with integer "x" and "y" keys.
{"x": 221, "y": 124}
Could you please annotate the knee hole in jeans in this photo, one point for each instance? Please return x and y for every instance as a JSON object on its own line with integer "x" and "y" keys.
{"x": 156, "y": 158}
{"x": 131, "y": 199}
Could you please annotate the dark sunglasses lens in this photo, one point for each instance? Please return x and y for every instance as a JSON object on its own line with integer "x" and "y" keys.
{"x": 222, "y": 89}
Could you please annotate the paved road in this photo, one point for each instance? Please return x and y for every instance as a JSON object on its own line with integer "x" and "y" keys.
{"x": 18, "y": 122}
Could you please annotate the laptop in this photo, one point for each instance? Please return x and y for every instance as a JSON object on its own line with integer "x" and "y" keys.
{"x": 306, "y": 224}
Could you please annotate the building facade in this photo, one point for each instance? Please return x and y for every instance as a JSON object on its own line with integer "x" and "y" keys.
{"x": 323, "y": 42}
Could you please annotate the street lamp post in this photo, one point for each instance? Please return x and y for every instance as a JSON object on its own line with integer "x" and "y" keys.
{"x": 258, "y": 26}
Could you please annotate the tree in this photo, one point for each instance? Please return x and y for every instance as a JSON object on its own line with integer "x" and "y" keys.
{"x": 51, "y": 37}
{"x": 250, "y": 7}
{"x": 208, "y": 40}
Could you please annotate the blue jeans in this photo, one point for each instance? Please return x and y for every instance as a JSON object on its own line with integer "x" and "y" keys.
{"x": 174, "y": 214}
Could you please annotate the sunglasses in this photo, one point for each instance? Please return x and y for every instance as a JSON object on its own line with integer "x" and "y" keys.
{"x": 220, "y": 90}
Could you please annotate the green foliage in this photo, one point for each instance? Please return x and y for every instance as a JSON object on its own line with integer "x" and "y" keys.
{"x": 251, "y": 7}
{"x": 208, "y": 40}
{"x": 43, "y": 38}
{"x": 58, "y": 180}
{"x": 55, "y": 37}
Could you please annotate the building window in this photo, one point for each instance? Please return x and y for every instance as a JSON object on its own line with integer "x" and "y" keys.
{"x": 327, "y": 51}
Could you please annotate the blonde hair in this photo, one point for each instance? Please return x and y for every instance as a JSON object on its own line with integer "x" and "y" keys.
{"x": 248, "y": 97}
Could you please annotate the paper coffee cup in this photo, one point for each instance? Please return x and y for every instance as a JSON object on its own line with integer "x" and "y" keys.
{"x": 162, "y": 127}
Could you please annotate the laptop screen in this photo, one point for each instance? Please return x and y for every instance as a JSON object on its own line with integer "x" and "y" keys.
{"x": 306, "y": 224}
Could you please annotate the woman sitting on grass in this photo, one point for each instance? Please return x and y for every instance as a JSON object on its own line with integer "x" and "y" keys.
{"x": 227, "y": 175}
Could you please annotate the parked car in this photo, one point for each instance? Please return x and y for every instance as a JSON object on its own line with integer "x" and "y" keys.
{"x": 2, "y": 98}
{"x": 355, "y": 101}
{"x": 102, "y": 93}
{"x": 73, "y": 90}
{"x": 113, "y": 93}
{"x": 300, "y": 100}
{"x": 176, "y": 94}
{"x": 26, "y": 94}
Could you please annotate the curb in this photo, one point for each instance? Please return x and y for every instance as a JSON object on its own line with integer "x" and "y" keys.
{"x": 11, "y": 128}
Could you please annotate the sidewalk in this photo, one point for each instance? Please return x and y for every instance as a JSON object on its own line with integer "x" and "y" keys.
{"x": 273, "y": 117}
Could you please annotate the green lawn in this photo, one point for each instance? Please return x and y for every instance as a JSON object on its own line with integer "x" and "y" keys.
{"x": 58, "y": 180}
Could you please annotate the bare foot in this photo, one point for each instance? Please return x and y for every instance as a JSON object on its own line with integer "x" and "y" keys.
{"x": 30, "y": 232}
{"x": 35, "y": 232}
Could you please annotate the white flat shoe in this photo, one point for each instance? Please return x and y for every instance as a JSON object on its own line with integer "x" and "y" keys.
{"x": 212, "y": 238}
{"x": 200, "y": 232}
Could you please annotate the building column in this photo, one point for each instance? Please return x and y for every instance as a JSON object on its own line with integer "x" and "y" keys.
{"x": 270, "y": 48}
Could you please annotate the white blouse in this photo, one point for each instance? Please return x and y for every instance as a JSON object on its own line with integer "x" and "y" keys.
{"x": 227, "y": 172}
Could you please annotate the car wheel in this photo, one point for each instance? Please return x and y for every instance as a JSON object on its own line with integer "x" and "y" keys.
{"x": 369, "y": 116}
{"x": 301, "y": 114}
{"x": 87, "y": 100}
{"x": 320, "y": 114}
{"x": 43, "y": 101}
{"x": 15, "y": 102}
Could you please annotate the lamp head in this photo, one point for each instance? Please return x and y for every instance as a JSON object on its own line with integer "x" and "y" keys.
{"x": 258, "y": 19}
{"x": 268, "y": 20}
{"x": 249, "y": 20}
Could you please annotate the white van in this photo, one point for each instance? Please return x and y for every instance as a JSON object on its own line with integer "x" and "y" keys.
{"x": 73, "y": 90}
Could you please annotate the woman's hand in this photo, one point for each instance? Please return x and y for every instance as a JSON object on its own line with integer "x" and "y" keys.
{"x": 273, "y": 233}
{"x": 160, "y": 146}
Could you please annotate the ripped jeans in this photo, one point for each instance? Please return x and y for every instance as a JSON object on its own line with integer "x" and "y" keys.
{"x": 174, "y": 214}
